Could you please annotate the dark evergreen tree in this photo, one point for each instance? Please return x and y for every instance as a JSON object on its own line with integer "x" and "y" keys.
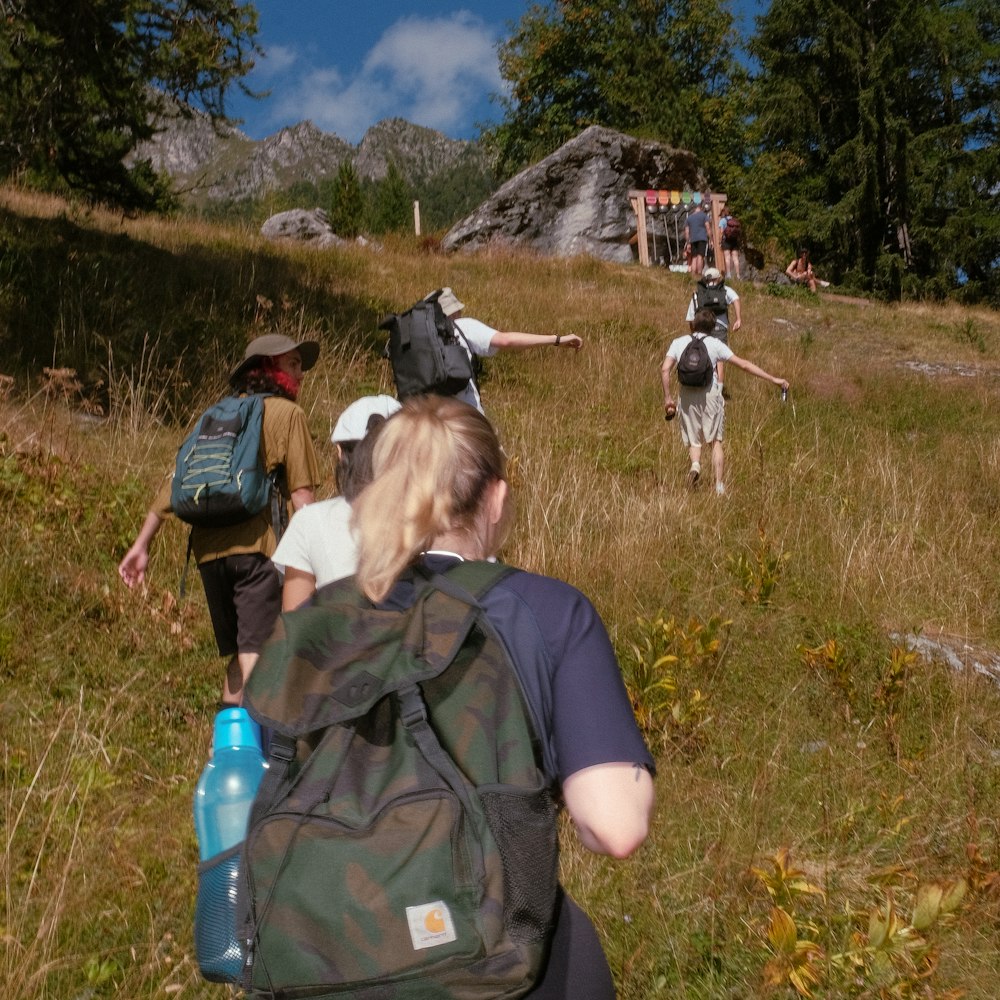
{"x": 80, "y": 81}
{"x": 875, "y": 136}
{"x": 392, "y": 204}
{"x": 347, "y": 203}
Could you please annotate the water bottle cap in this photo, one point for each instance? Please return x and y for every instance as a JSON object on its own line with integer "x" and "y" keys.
{"x": 235, "y": 728}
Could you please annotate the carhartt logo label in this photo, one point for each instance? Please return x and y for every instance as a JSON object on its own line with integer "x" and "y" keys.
{"x": 430, "y": 925}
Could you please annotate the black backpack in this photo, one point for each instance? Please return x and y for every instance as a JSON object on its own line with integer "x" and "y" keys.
{"x": 427, "y": 350}
{"x": 695, "y": 365}
{"x": 711, "y": 297}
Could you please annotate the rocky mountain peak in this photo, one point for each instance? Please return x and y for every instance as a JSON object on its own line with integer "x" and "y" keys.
{"x": 210, "y": 164}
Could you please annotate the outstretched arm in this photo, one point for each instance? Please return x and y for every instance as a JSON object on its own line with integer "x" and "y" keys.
{"x": 509, "y": 341}
{"x": 749, "y": 366}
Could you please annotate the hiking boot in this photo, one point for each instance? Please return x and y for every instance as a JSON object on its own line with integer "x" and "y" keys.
{"x": 692, "y": 477}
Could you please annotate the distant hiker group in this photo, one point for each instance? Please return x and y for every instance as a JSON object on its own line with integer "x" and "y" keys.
{"x": 425, "y": 698}
{"x": 424, "y": 708}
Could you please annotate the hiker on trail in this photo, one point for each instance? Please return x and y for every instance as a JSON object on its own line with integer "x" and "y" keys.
{"x": 800, "y": 270}
{"x": 484, "y": 341}
{"x": 242, "y": 586}
{"x": 318, "y": 545}
{"x": 439, "y": 496}
{"x": 731, "y": 234}
{"x": 696, "y": 238}
{"x": 702, "y": 409}
{"x": 712, "y": 292}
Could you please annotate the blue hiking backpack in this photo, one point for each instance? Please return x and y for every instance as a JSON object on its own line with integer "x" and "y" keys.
{"x": 219, "y": 476}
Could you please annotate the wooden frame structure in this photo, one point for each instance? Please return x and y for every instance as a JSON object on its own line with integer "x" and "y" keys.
{"x": 639, "y": 202}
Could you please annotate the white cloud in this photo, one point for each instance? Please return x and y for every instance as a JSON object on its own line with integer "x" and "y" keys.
{"x": 430, "y": 71}
{"x": 276, "y": 60}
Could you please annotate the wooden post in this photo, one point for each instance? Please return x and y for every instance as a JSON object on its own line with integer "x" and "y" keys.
{"x": 416, "y": 217}
{"x": 638, "y": 199}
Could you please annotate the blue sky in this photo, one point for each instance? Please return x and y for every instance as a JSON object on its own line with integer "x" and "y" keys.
{"x": 347, "y": 65}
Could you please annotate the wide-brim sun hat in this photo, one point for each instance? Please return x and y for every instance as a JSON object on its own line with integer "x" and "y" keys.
{"x": 448, "y": 301}
{"x": 271, "y": 345}
{"x": 352, "y": 424}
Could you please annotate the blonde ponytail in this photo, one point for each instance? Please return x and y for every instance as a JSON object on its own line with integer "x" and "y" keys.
{"x": 431, "y": 466}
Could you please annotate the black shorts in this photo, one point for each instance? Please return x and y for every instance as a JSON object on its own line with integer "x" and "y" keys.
{"x": 698, "y": 248}
{"x": 244, "y": 600}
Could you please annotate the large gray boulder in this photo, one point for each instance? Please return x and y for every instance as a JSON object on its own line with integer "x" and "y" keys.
{"x": 575, "y": 201}
{"x": 302, "y": 225}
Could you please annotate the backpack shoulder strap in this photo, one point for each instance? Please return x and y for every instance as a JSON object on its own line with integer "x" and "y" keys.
{"x": 470, "y": 581}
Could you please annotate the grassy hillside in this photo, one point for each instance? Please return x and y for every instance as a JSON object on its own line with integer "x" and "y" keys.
{"x": 828, "y": 801}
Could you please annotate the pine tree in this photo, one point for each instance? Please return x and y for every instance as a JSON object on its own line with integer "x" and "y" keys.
{"x": 392, "y": 208}
{"x": 347, "y": 205}
{"x": 81, "y": 80}
{"x": 876, "y": 142}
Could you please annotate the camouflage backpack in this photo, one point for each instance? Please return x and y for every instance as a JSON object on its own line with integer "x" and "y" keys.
{"x": 403, "y": 843}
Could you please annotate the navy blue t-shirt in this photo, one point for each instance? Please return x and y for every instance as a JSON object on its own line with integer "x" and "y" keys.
{"x": 567, "y": 666}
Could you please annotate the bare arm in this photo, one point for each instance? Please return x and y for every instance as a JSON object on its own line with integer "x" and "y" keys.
{"x": 610, "y": 805}
{"x": 510, "y": 341}
{"x": 737, "y": 315}
{"x": 665, "y": 370}
{"x": 298, "y": 588}
{"x": 749, "y": 366}
{"x": 132, "y": 568}
{"x": 302, "y": 497}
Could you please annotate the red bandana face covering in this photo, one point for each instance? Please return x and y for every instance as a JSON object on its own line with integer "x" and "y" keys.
{"x": 288, "y": 385}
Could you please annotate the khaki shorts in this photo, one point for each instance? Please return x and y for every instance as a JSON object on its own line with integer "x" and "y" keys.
{"x": 703, "y": 415}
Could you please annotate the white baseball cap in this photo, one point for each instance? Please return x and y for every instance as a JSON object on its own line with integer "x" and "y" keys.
{"x": 352, "y": 425}
{"x": 712, "y": 274}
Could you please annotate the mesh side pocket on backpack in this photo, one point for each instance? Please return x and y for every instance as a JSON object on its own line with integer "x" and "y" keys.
{"x": 524, "y": 827}
{"x": 219, "y": 957}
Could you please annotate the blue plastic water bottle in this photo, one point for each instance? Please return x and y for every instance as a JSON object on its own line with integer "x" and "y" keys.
{"x": 222, "y": 801}
{"x": 226, "y": 788}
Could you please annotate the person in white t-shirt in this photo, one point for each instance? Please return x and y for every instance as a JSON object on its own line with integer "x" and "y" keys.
{"x": 318, "y": 546}
{"x": 703, "y": 410}
{"x": 484, "y": 341}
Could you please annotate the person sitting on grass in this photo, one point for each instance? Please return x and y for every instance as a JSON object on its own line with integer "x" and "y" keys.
{"x": 800, "y": 270}
{"x": 702, "y": 409}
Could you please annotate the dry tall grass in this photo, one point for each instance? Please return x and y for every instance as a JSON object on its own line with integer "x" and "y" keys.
{"x": 871, "y": 495}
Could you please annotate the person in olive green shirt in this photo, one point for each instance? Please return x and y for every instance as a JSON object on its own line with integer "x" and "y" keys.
{"x": 242, "y": 586}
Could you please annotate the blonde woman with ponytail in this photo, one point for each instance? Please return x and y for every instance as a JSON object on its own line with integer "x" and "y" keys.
{"x": 439, "y": 496}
